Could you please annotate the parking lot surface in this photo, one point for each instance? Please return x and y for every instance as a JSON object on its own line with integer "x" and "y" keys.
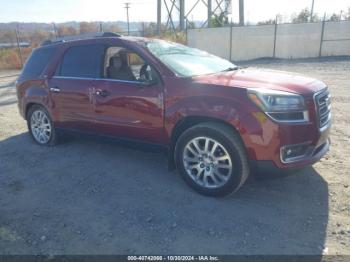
{"x": 85, "y": 196}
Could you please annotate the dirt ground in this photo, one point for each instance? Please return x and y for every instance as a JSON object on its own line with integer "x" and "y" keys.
{"x": 91, "y": 197}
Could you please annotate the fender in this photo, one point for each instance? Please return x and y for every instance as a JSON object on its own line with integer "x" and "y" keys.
{"x": 227, "y": 110}
{"x": 35, "y": 92}
{"x": 190, "y": 111}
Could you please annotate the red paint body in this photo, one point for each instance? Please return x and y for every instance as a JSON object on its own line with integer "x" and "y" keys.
{"x": 152, "y": 113}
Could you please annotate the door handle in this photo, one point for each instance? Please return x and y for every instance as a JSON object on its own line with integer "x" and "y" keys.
{"x": 102, "y": 93}
{"x": 55, "y": 89}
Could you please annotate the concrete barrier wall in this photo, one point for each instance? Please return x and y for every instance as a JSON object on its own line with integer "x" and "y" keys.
{"x": 340, "y": 31}
{"x": 213, "y": 40}
{"x": 298, "y": 40}
{"x": 292, "y": 40}
{"x": 252, "y": 42}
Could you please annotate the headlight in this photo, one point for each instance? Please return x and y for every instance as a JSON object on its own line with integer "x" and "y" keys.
{"x": 279, "y": 105}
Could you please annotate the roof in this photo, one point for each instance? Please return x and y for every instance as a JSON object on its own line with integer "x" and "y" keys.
{"x": 78, "y": 37}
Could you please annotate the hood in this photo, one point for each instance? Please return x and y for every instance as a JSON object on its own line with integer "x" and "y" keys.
{"x": 265, "y": 78}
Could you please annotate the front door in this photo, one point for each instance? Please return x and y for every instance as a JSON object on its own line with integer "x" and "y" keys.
{"x": 128, "y": 98}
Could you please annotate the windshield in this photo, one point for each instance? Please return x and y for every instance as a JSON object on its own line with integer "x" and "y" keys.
{"x": 186, "y": 61}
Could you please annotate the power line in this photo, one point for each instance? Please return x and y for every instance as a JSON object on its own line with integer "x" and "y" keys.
{"x": 127, "y": 6}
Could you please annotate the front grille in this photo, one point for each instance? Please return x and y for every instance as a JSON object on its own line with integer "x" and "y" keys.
{"x": 323, "y": 108}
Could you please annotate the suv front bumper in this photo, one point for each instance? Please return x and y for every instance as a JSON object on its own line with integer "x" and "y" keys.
{"x": 268, "y": 141}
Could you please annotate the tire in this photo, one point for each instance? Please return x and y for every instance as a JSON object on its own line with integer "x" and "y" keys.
{"x": 40, "y": 122}
{"x": 225, "y": 160}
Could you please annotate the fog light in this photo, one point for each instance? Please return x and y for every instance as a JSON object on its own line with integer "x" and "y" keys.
{"x": 289, "y": 153}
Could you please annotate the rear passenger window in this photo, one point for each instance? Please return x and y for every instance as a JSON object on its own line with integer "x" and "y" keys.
{"x": 37, "y": 62}
{"x": 83, "y": 61}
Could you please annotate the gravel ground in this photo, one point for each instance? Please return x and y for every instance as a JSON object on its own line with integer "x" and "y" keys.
{"x": 91, "y": 197}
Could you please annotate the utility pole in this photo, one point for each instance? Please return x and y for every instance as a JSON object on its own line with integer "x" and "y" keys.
{"x": 182, "y": 15}
{"x": 19, "y": 46}
{"x": 241, "y": 12}
{"x": 159, "y": 16}
{"x": 55, "y": 30}
{"x": 312, "y": 10}
{"x": 209, "y": 13}
{"x": 127, "y": 6}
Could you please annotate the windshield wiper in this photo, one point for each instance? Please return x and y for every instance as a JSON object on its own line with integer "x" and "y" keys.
{"x": 230, "y": 69}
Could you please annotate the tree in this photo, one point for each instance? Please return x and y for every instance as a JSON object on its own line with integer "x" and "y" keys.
{"x": 191, "y": 25}
{"x": 302, "y": 17}
{"x": 219, "y": 20}
{"x": 86, "y": 27}
{"x": 267, "y": 22}
{"x": 66, "y": 30}
{"x": 113, "y": 28}
{"x": 305, "y": 16}
{"x": 9, "y": 36}
{"x": 334, "y": 18}
{"x": 38, "y": 36}
{"x": 150, "y": 29}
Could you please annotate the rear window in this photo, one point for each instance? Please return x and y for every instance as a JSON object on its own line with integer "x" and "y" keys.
{"x": 37, "y": 62}
{"x": 83, "y": 61}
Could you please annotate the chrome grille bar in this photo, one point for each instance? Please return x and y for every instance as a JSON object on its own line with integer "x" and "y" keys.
{"x": 323, "y": 107}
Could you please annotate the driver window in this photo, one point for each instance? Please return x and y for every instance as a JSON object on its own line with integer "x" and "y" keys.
{"x": 135, "y": 63}
{"x": 126, "y": 65}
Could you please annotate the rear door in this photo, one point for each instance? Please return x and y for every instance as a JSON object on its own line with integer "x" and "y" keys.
{"x": 72, "y": 87}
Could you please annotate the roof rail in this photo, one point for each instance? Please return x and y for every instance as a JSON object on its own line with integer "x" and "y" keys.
{"x": 78, "y": 37}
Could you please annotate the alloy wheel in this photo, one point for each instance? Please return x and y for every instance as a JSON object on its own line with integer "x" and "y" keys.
{"x": 40, "y": 126}
{"x": 207, "y": 162}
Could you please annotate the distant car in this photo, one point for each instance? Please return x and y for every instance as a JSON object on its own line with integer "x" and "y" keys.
{"x": 216, "y": 120}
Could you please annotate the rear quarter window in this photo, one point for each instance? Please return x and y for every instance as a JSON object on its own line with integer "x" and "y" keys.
{"x": 36, "y": 63}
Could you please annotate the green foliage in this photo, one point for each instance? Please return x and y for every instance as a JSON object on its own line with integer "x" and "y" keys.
{"x": 334, "y": 18}
{"x": 267, "y": 22}
{"x": 219, "y": 20}
{"x": 191, "y": 25}
{"x": 305, "y": 16}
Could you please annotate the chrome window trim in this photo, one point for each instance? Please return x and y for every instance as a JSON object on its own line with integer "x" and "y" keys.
{"x": 121, "y": 81}
{"x": 73, "y": 77}
{"x": 99, "y": 79}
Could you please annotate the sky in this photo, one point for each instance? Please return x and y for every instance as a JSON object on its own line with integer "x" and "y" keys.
{"x": 145, "y": 10}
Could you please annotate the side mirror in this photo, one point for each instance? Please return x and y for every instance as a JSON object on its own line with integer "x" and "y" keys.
{"x": 151, "y": 82}
{"x": 149, "y": 76}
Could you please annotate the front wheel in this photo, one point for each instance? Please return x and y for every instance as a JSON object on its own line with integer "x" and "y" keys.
{"x": 40, "y": 126}
{"x": 211, "y": 158}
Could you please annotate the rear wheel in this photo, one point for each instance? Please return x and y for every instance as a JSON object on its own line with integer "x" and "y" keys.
{"x": 212, "y": 159}
{"x": 40, "y": 126}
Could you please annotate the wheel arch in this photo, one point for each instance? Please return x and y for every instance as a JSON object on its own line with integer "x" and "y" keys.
{"x": 36, "y": 94}
{"x": 188, "y": 122}
{"x": 29, "y": 105}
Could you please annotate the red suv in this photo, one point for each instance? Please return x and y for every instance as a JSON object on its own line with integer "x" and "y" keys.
{"x": 216, "y": 120}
